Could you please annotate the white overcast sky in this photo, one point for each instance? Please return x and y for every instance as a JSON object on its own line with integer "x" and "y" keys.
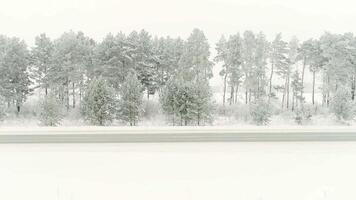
{"x": 303, "y": 18}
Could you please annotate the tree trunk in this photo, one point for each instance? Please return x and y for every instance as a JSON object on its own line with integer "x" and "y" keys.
{"x": 313, "y": 98}
{"x": 284, "y": 93}
{"x": 67, "y": 95}
{"x": 246, "y": 97}
{"x": 236, "y": 92}
{"x": 270, "y": 83}
{"x": 302, "y": 81}
{"x": 287, "y": 105}
{"x": 224, "y": 94}
{"x": 353, "y": 85}
{"x": 73, "y": 94}
{"x": 232, "y": 94}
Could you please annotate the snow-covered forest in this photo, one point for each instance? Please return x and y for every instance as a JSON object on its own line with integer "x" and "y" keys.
{"x": 141, "y": 79}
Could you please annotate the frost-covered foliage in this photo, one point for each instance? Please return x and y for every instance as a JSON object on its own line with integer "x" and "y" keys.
{"x": 260, "y": 112}
{"x": 187, "y": 102}
{"x": 2, "y": 109}
{"x": 130, "y": 104}
{"x": 98, "y": 105}
{"x": 303, "y": 115}
{"x": 51, "y": 111}
{"x": 342, "y": 105}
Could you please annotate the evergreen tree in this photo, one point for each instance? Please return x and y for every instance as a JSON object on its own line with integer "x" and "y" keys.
{"x": 278, "y": 58}
{"x": 144, "y": 60}
{"x": 248, "y": 63}
{"x": 130, "y": 104}
{"x": 260, "y": 111}
{"x": 222, "y": 56}
{"x": 99, "y": 102}
{"x": 342, "y": 105}
{"x": 261, "y": 55}
{"x": 297, "y": 89}
{"x": 113, "y": 58}
{"x": 14, "y": 77}
{"x": 41, "y": 59}
{"x": 51, "y": 111}
{"x": 70, "y": 62}
{"x": 195, "y": 61}
{"x": 187, "y": 102}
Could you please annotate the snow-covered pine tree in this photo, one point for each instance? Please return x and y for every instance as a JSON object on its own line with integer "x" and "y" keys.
{"x": 72, "y": 52}
{"x": 248, "y": 63}
{"x": 342, "y": 105}
{"x": 297, "y": 88}
{"x": 99, "y": 103}
{"x": 144, "y": 60}
{"x": 194, "y": 61}
{"x": 130, "y": 103}
{"x": 286, "y": 71}
{"x": 202, "y": 105}
{"x": 14, "y": 76}
{"x": 260, "y": 111}
{"x": 278, "y": 59}
{"x": 187, "y": 102}
{"x": 261, "y": 55}
{"x": 222, "y": 56}
{"x": 113, "y": 59}
{"x": 41, "y": 59}
{"x": 51, "y": 111}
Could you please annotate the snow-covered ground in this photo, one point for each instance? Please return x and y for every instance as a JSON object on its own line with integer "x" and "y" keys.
{"x": 204, "y": 171}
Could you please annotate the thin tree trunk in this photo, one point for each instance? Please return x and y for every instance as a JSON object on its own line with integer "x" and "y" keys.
{"x": 224, "y": 95}
{"x": 353, "y": 85}
{"x": 232, "y": 94}
{"x": 284, "y": 93}
{"x": 73, "y": 94}
{"x": 236, "y": 92}
{"x": 246, "y": 95}
{"x": 67, "y": 95}
{"x": 313, "y": 100}
{"x": 287, "y": 92}
{"x": 302, "y": 81}
{"x": 270, "y": 82}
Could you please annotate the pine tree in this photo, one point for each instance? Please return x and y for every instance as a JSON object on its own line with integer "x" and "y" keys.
{"x": 71, "y": 58}
{"x": 113, "y": 59}
{"x": 297, "y": 89}
{"x": 51, "y": 111}
{"x": 248, "y": 63}
{"x": 261, "y": 55}
{"x": 260, "y": 111}
{"x": 222, "y": 56}
{"x": 144, "y": 60}
{"x": 99, "y": 103}
{"x": 278, "y": 59}
{"x": 14, "y": 77}
{"x": 130, "y": 104}
{"x": 195, "y": 61}
{"x": 41, "y": 59}
{"x": 342, "y": 105}
{"x": 187, "y": 102}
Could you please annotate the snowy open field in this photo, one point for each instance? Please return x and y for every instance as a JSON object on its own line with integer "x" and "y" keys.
{"x": 199, "y": 171}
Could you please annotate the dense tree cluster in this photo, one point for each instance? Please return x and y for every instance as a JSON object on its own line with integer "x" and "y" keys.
{"x": 108, "y": 80}
{"x": 251, "y": 62}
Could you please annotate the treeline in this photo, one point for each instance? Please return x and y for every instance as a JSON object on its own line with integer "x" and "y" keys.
{"x": 66, "y": 67}
{"x": 251, "y": 62}
{"x": 107, "y": 80}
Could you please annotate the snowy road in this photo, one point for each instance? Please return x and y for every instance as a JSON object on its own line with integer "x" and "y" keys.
{"x": 174, "y": 134}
